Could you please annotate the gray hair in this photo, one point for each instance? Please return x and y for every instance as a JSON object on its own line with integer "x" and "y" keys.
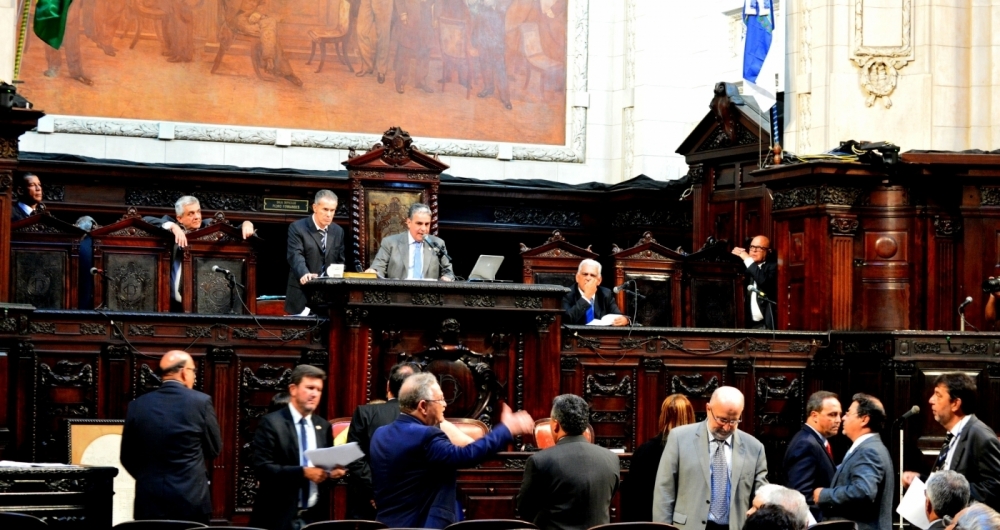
{"x": 791, "y": 500}
{"x": 572, "y": 412}
{"x": 416, "y": 388}
{"x": 579, "y": 268}
{"x": 416, "y": 208}
{"x": 978, "y": 517}
{"x": 184, "y": 201}
{"x": 325, "y": 194}
{"x": 948, "y": 492}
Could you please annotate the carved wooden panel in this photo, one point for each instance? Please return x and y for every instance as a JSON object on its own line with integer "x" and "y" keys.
{"x": 39, "y": 278}
{"x": 212, "y": 289}
{"x": 67, "y": 388}
{"x": 778, "y": 402}
{"x": 712, "y": 300}
{"x": 611, "y": 393}
{"x": 842, "y": 265}
{"x": 132, "y": 283}
{"x": 259, "y": 383}
{"x": 656, "y": 309}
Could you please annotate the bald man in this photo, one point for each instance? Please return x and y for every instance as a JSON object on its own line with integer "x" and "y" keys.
{"x": 762, "y": 284}
{"x": 710, "y": 470}
{"x": 168, "y": 436}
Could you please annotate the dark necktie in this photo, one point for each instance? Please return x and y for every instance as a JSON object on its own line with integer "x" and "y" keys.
{"x": 418, "y": 260}
{"x": 943, "y": 455}
{"x": 322, "y": 240}
{"x": 720, "y": 483}
{"x": 305, "y": 463}
{"x": 829, "y": 451}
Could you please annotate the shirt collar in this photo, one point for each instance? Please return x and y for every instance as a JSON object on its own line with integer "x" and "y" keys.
{"x": 859, "y": 441}
{"x": 409, "y": 237}
{"x": 296, "y": 416}
{"x": 957, "y": 429}
{"x": 821, "y": 437}
{"x": 313, "y": 217}
{"x": 585, "y": 296}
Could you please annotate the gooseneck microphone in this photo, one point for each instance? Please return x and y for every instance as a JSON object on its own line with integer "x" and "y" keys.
{"x": 619, "y": 288}
{"x": 94, "y": 271}
{"x": 967, "y": 301}
{"x": 913, "y": 410}
{"x": 216, "y": 268}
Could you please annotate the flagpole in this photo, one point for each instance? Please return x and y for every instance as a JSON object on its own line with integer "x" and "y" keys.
{"x": 22, "y": 38}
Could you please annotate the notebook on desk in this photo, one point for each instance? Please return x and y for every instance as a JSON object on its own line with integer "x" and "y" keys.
{"x": 485, "y": 269}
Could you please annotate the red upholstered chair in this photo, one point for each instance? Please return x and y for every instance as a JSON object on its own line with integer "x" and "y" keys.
{"x": 543, "y": 433}
{"x": 158, "y": 525}
{"x": 491, "y": 524}
{"x": 339, "y": 426}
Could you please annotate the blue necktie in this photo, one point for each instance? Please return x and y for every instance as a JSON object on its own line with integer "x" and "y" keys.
{"x": 305, "y": 463}
{"x": 590, "y": 312}
{"x": 720, "y": 484}
{"x": 322, "y": 241}
{"x": 418, "y": 260}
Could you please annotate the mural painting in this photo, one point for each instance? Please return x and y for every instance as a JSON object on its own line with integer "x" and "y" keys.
{"x": 485, "y": 70}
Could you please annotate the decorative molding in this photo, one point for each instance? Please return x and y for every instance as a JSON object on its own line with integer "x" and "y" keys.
{"x": 480, "y": 301}
{"x": 201, "y": 332}
{"x": 426, "y": 299}
{"x": 544, "y": 321}
{"x": 880, "y": 65}
{"x": 719, "y": 139}
{"x": 267, "y": 377}
{"x": 9, "y": 147}
{"x": 652, "y": 364}
{"x": 719, "y": 345}
{"x": 569, "y": 362}
{"x": 42, "y": 328}
{"x": 245, "y": 333}
{"x": 6, "y": 181}
{"x": 288, "y": 335}
{"x": 527, "y": 302}
{"x": 376, "y": 297}
{"x": 88, "y": 328}
{"x": 989, "y": 196}
{"x": 354, "y": 316}
{"x": 799, "y": 347}
{"x": 140, "y": 330}
{"x": 66, "y": 373}
{"x": 607, "y": 384}
{"x": 945, "y": 227}
{"x": 574, "y": 151}
{"x": 835, "y": 195}
{"x": 974, "y": 349}
{"x": 758, "y": 346}
{"x": 648, "y": 217}
{"x": 536, "y": 217}
{"x": 844, "y": 226}
{"x": 776, "y": 387}
{"x": 926, "y": 347}
{"x": 689, "y": 385}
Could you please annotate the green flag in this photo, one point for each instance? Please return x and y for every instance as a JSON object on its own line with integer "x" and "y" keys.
{"x": 50, "y": 21}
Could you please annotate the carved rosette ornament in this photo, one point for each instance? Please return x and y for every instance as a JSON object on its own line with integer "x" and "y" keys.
{"x": 944, "y": 227}
{"x": 843, "y": 226}
{"x": 6, "y": 181}
{"x": 8, "y": 147}
{"x": 880, "y": 61}
{"x": 397, "y": 144}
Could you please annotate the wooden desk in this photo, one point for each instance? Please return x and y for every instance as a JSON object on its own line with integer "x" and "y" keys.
{"x": 64, "y": 497}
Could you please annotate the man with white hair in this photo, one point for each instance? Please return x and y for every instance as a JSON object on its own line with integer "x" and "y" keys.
{"x": 710, "y": 470}
{"x": 589, "y": 301}
{"x": 947, "y": 493}
{"x": 977, "y": 516}
{"x": 792, "y": 501}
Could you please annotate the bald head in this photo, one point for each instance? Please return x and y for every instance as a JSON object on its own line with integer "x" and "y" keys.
{"x": 759, "y": 248}
{"x": 177, "y": 365}
{"x": 727, "y": 396}
{"x": 725, "y": 411}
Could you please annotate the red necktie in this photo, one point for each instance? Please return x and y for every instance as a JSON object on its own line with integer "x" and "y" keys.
{"x": 828, "y": 450}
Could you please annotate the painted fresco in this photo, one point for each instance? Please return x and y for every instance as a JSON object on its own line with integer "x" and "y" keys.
{"x": 488, "y": 70}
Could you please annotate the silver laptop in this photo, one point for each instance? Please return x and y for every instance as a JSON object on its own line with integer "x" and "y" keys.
{"x": 485, "y": 269}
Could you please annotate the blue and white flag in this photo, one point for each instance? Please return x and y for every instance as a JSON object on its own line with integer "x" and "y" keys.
{"x": 763, "y": 53}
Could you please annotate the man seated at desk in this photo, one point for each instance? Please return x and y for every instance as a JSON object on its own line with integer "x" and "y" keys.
{"x": 414, "y": 254}
{"x": 589, "y": 301}
{"x": 188, "y": 211}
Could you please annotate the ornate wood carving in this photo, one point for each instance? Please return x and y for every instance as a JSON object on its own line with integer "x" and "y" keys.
{"x": 718, "y": 138}
{"x": 209, "y": 200}
{"x": 141, "y": 330}
{"x": 197, "y": 332}
{"x": 426, "y": 299}
{"x": 651, "y": 217}
{"x": 758, "y": 346}
{"x": 945, "y": 227}
{"x": 844, "y": 226}
{"x": 607, "y": 384}
{"x": 479, "y": 301}
{"x": 807, "y": 196}
{"x": 93, "y": 329}
{"x": 778, "y": 387}
{"x": 926, "y": 347}
{"x": 527, "y": 302}
{"x": 42, "y": 328}
{"x": 245, "y": 333}
{"x": 989, "y": 196}
{"x": 536, "y": 217}
{"x": 689, "y": 385}
{"x": 376, "y": 297}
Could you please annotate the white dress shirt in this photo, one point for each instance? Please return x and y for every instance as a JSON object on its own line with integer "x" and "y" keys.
{"x": 754, "y": 308}
{"x": 957, "y": 432}
{"x": 410, "y": 247}
{"x": 310, "y": 444}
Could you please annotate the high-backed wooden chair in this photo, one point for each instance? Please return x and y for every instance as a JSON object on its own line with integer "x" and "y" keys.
{"x": 472, "y": 427}
{"x": 339, "y": 427}
{"x": 339, "y": 36}
{"x": 543, "y": 433}
{"x": 491, "y": 524}
{"x": 44, "y": 262}
{"x": 554, "y": 262}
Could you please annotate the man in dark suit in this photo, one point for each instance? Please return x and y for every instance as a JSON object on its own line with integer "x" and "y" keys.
{"x": 589, "y": 301}
{"x": 29, "y": 198}
{"x": 168, "y": 435}
{"x": 289, "y": 495}
{"x": 862, "y": 487}
{"x": 809, "y": 458}
{"x": 414, "y": 254}
{"x": 414, "y": 463}
{"x": 367, "y": 419}
{"x": 569, "y": 485}
{"x": 970, "y": 447}
{"x": 188, "y": 210}
{"x": 762, "y": 277}
{"x": 314, "y": 243}
{"x": 947, "y": 493}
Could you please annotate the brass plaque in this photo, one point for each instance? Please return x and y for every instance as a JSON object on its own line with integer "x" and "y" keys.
{"x": 286, "y": 205}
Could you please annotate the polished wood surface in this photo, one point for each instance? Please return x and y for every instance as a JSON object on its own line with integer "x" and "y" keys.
{"x": 74, "y": 497}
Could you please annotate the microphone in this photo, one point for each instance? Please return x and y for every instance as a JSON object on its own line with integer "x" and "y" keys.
{"x": 753, "y": 289}
{"x": 216, "y": 268}
{"x": 913, "y": 410}
{"x": 968, "y": 300}
{"x": 620, "y": 288}
{"x": 94, "y": 271}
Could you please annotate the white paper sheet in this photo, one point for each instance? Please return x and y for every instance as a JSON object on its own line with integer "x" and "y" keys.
{"x": 331, "y": 457}
{"x": 912, "y": 505}
{"x": 606, "y": 320}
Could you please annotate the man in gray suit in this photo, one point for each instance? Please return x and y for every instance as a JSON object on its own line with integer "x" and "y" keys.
{"x": 414, "y": 254}
{"x": 569, "y": 485}
{"x": 862, "y": 487}
{"x": 710, "y": 470}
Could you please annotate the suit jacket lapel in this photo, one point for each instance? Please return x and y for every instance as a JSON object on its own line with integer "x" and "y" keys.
{"x": 292, "y": 436}
{"x": 962, "y": 443}
{"x": 703, "y": 444}
{"x": 428, "y": 256}
{"x": 739, "y": 458}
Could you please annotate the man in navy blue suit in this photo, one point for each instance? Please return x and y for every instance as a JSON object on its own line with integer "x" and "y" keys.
{"x": 413, "y": 463}
{"x": 168, "y": 435}
{"x": 809, "y": 458}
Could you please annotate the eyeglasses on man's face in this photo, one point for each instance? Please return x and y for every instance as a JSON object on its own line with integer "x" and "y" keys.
{"x": 725, "y": 421}
{"x": 755, "y": 247}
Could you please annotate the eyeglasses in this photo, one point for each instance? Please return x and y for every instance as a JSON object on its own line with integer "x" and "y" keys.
{"x": 850, "y": 413}
{"x": 725, "y": 421}
{"x": 442, "y": 401}
{"x": 193, "y": 371}
{"x": 755, "y": 247}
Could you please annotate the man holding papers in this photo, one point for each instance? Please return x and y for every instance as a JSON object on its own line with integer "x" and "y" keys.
{"x": 289, "y": 493}
{"x": 590, "y": 302}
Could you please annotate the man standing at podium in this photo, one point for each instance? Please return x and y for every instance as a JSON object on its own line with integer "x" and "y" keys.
{"x": 762, "y": 275}
{"x": 188, "y": 210}
{"x": 414, "y": 254}
{"x": 314, "y": 243}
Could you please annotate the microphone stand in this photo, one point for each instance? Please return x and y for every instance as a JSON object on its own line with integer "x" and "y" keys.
{"x": 902, "y": 430}
{"x": 233, "y": 293}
